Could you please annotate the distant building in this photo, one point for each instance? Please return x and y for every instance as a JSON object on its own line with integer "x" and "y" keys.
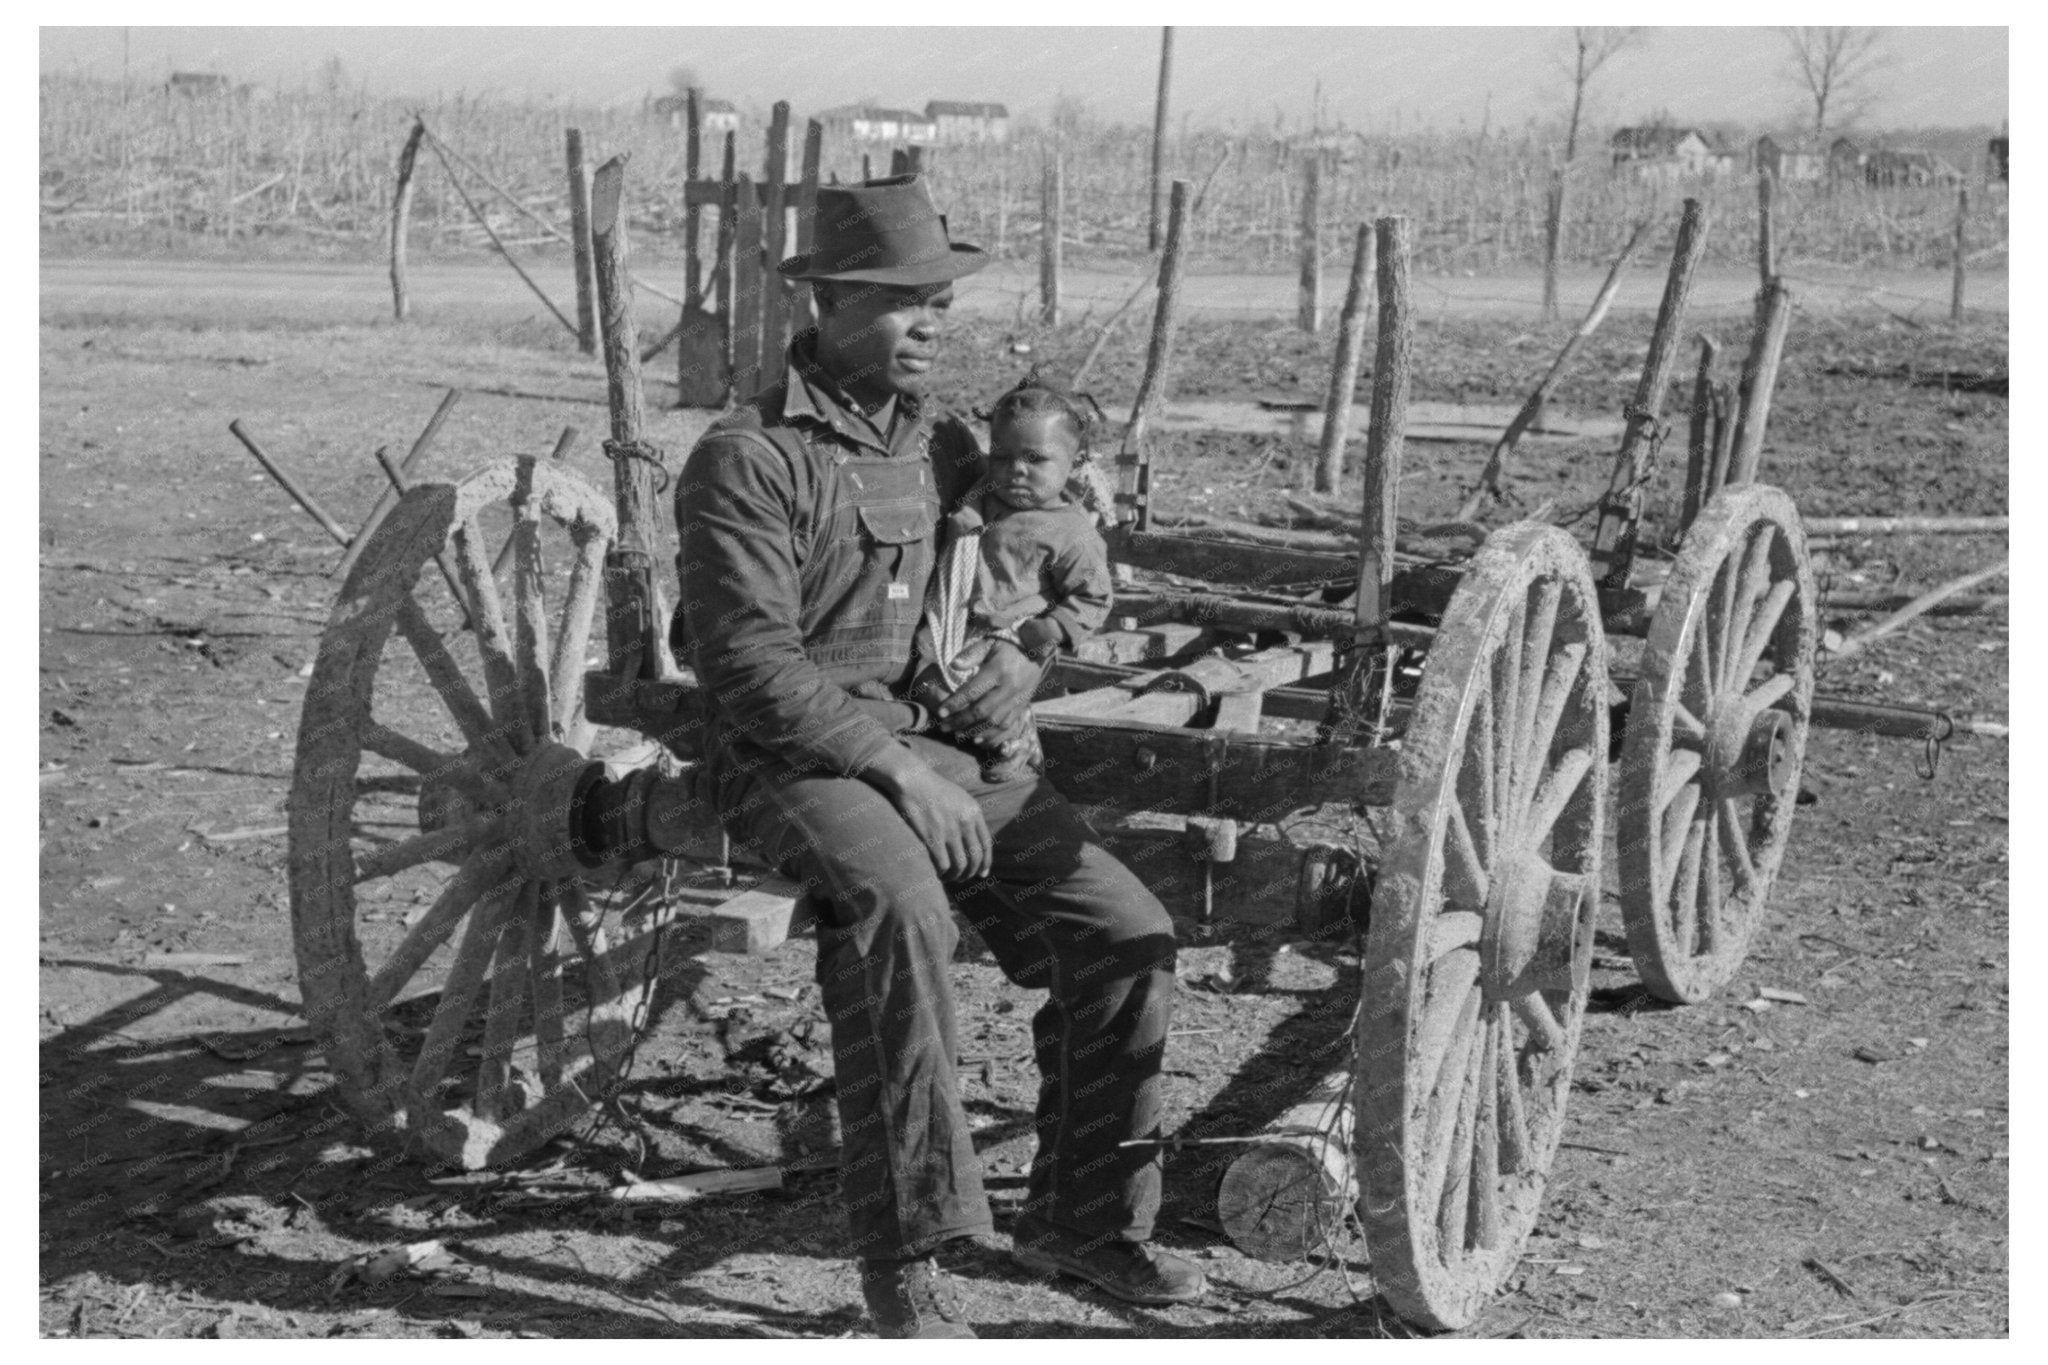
{"x": 1998, "y": 150}
{"x": 872, "y": 123}
{"x": 1845, "y": 160}
{"x": 1788, "y": 160}
{"x": 966, "y": 121}
{"x": 1662, "y": 152}
{"x": 199, "y": 85}
{"x": 1907, "y": 166}
{"x": 714, "y": 115}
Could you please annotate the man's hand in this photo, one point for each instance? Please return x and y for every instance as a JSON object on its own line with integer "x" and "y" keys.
{"x": 996, "y": 697}
{"x": 939, "y": 812}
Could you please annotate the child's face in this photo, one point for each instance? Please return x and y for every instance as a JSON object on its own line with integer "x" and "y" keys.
{"x": 1030, "y": 458}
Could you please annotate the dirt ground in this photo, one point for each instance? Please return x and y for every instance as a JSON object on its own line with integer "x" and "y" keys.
{"x": 1837, "y": 1167}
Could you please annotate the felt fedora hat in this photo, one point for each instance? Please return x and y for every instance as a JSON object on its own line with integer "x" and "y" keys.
{"x": 882, "y": 232}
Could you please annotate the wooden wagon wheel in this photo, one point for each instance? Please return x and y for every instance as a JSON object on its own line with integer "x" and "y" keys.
{"x": 1482, "y": 928}
{"x": 1715, "y": 739}
{"x": 429, "y": 811}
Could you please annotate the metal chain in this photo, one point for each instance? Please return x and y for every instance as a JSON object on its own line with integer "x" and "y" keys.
{"x": 641, "y": 450}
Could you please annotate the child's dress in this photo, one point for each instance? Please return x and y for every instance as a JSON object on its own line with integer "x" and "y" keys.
{"x": 1001, "y": 566}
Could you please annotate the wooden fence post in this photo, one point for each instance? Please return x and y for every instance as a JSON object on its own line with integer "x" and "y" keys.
{"x": 1309, "y": 311}
{"x": 775, "y": 224}
{"x": 1553, "y": 234}
{"x": 807, "y": 186}
{"x": 1699, "y": 444}
{"x": 1052, "y": 207}
{"x": 1955, "y": 294}
{"x": 1133, "y": 464}
{"x": 1159, "y": 135}
{"x": 693, "y": 212}
{"x": 1766, "y": 241}
{"x": 746, "y": 289}
{"x": 579, "y": 233}
{"x": 1344, "y": 373}
{"x": 401, "y": 209}
{"x": 725, "y": 266}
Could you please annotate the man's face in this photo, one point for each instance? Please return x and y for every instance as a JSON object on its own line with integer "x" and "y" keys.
{"x": 881, "y": 339}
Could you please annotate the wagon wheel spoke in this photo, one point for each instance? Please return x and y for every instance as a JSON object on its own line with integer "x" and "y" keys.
{"x": 1696, "y": 686}
{"x": 1671, "y": 840}
{"x": 1537, "y": 631}
{"x": 458, "y": 992}
{"x": 1766, "y": 694}
{"x": 546, "y": 965}
{"x": 1713, "y": 894}
{"x": 1478, "y": 784}
{"x": 1557, "y": 693}
{"x": 446, "y": 675}
{"x": 1486, "y": 1144}
{"x": 480, "y": 877}
{"x": 461, "y": 770}
{"x": 441, "y": 846}
{"x": 1516, "y": 1154}
{"x": 501, "y": 1016}
{"x": 586, "y": 926}
{"x": 1507, "y": 698}
{"x": 1686, "y": 899}
{"x": 1684, "y": 720}
{"x": 1752, "y": 582}
{"x": 487, "y": 619}
{"x": 1546, "y": 1034}
{"x": 1762, "y": 627}
{"x": 1559, "y": 786}
{"x": 1446, "y": 1103}
{"x": 1454, "y": 1204}
{"x": 1452, "y": 930}
{"x": 1678, "y": 774}
{"x": 572, "y": 641}
{"x": 1720, "y": 611}
{"x": 1465, "y": 879}
{"x": 1731, "y": 824}
{"x": 529, "y": 607}
{"x": 1453, "y": 985}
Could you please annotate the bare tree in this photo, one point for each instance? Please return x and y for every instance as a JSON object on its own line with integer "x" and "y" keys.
{"x": 683, "y": 79}
{"x": 1589, "y": 49}
{"x": 1834, "y": 67}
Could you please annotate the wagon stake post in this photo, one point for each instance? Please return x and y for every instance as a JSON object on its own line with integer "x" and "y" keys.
{"x": 1360, "y": 694}
{"x": 636, "y": 643}
{"x": 1621, "y": 512}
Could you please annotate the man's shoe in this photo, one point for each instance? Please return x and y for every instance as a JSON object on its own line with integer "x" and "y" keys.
{"x": 911, "y": 1300}
{"x": 1136, "y": 1272}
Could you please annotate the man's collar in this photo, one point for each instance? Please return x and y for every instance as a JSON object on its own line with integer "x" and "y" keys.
{"x": 811, "y": 392}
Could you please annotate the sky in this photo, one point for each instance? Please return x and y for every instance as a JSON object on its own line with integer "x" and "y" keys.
{"x": 1369, "y": 78}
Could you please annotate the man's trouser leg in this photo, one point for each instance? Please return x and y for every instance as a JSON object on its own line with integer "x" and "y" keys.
{"x": 885, "y": 950}
{"x": 1061, "y": 914}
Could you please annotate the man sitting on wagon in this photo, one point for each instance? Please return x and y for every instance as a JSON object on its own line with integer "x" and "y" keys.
{"x": 808, "y": 520}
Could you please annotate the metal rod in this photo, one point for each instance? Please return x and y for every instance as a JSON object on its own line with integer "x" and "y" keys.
{"x": 290, "y": 485}
{"x": 388, "y": 498}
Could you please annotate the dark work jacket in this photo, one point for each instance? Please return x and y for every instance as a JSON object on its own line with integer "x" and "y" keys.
{"x": 806, "y": 543}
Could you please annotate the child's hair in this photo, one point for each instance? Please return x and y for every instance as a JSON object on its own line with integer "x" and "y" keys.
{"x": 1034, "y": 393}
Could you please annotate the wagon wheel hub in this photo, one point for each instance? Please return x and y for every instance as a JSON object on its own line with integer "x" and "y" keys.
{"x": 1751, "y": 752}
{"x": 546, "y": 792}
{"x": 1533, "y": 929}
